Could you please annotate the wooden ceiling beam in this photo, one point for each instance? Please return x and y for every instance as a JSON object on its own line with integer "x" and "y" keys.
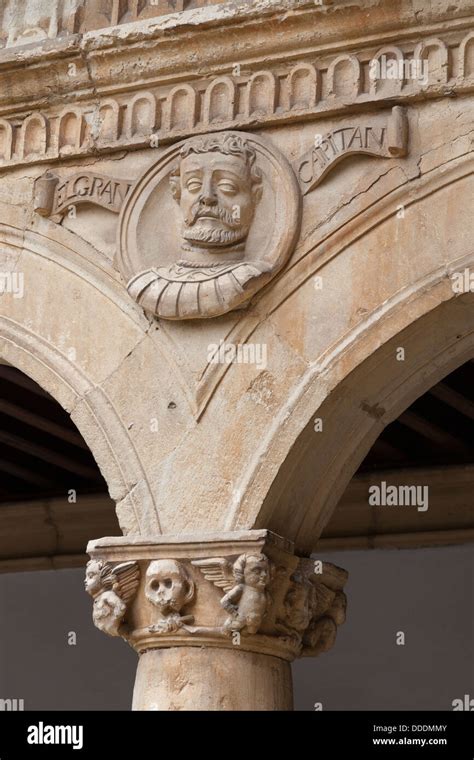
{"x": 22, "y": 473}
{"x": 432, "y": 432}
{"x": 41, "y": 423}
{"x": 47, "y": 455}
{"x": 455, "y": 400}
{"x": 382, "y": 448}
{"x": 22, "y": 381}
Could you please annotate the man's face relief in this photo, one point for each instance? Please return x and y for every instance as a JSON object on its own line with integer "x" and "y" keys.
{"x": 216, "y": 199}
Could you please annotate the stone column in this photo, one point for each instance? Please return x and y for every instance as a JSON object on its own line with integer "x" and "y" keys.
{"x": 216, "y": 619}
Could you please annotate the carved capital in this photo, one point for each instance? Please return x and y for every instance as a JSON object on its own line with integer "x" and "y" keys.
{"x": 246, "y": 590}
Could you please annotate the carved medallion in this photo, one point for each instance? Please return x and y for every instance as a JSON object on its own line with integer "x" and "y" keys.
{"x": 211, "y": 223}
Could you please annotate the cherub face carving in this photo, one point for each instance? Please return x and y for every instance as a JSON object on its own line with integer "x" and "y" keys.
{"x": 298, "y": 603}
{"x": 257, "y": 572}
{"x": 168, "y": 585}
{"x": 217, "y": 186}
{"x": 252, "y": 570}
{"x": 92, "y": 581}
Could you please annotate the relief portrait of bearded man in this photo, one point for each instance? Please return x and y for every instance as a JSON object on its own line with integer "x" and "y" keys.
{"x": 217, "y": 186}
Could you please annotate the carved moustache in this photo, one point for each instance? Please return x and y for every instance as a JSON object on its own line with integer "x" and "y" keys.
{"x": 214, "y": 212}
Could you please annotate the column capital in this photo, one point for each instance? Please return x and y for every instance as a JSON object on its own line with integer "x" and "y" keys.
{"x": 244, "y": 590}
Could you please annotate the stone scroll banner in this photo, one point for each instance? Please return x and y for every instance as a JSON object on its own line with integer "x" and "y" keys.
{"x": 388, "y": 140}
{"x": 54, "y": 196}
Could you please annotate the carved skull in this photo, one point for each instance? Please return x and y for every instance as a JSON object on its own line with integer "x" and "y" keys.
{"x": 168, "y": 585}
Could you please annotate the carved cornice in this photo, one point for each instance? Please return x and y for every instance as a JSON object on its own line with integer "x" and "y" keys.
{"x": 81, "y": 16}
{"x": 245, "y": 590}
{"x": 129, "y": 91}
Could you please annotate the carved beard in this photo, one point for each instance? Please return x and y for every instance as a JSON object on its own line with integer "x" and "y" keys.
{"x": 195, "y": 233}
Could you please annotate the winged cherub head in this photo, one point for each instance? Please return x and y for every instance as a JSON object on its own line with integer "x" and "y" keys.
{"x": 93, "y": 582}
{"x": 252, "y": 570}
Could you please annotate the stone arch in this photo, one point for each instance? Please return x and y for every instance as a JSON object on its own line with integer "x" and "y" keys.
{"x": 466, "y": 57}
{"x": 71, "y": 131}
{"x": 344, "y": 77}
{"x": 295, "y": 480}
{"x": 38, "y": 346}
{"x": 302, "y": 86}
{"x": 33, "y": 136}
{"x": 219, "y": 101}
{"x": 141, "y": 115}
{"x": 181, "y": 108}
{"x": 434, "y": 54}
{"x": 261, "y": 93}
{"x": 6, "y": 140}
{"x": 108, "y": 127}
{"x": 354, "y": 415}
{"x": 389, "y": 61}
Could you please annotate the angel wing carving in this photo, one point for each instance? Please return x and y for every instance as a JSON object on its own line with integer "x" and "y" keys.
{"x": 122, "y": 578}
{"x": 218, "y": 571}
